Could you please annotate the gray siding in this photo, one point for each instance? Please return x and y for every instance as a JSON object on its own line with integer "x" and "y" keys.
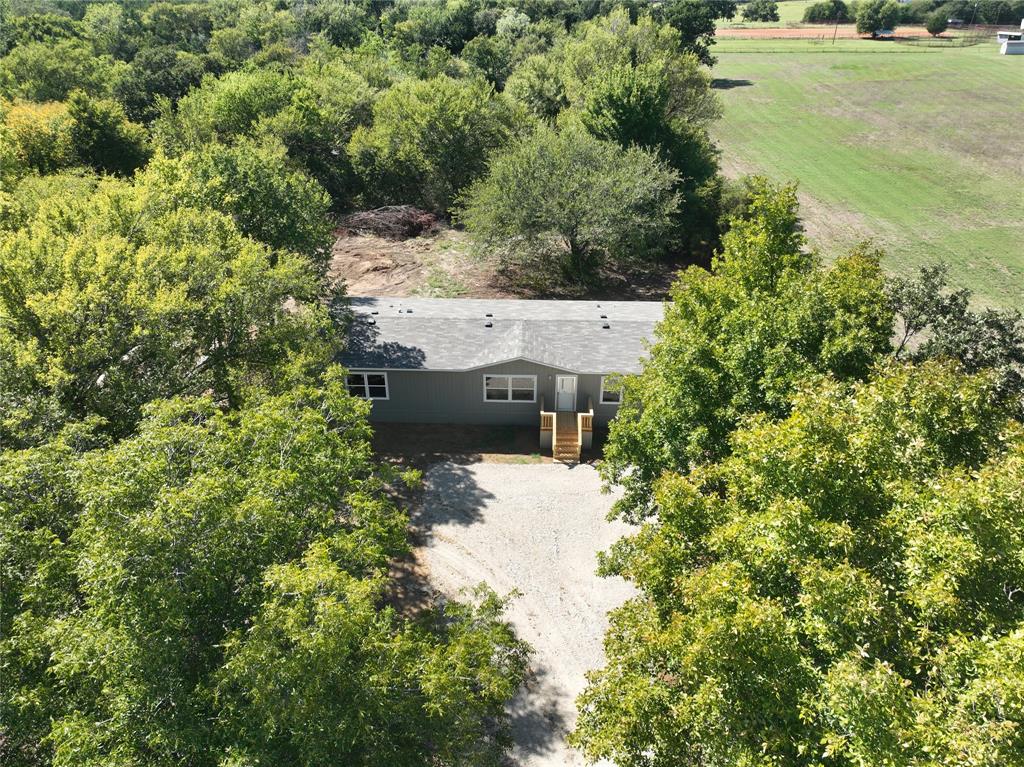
{"x": 439, "y": 397}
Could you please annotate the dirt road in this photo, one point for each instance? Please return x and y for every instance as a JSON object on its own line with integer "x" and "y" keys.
{"x": 535, "y": 528}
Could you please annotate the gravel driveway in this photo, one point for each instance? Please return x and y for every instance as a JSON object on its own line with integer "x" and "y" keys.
{"x": 535, "y": 528}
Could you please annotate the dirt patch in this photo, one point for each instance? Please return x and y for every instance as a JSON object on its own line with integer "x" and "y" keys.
{"x": 844, "y": 32}
{"x": 441, "y": 264}
{"x": 437, "y": 264}
{"x": 535, "y": 530}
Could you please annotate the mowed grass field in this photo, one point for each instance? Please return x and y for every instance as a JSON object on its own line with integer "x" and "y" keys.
{"x": 919, "y": 149}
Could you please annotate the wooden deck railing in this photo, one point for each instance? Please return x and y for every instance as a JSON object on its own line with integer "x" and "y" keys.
{"x": 547, "y": 427}
{"x": 585, "y": 426}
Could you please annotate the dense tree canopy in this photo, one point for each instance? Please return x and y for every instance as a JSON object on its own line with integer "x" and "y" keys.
{"x": 737, "y": 340}
{"x": 430, "y": 139}
{"x": 115, "y": 299}
{"x": 195, "y": 542}
{"x": 209, "y": 591}
{"x": 843, "y": 589}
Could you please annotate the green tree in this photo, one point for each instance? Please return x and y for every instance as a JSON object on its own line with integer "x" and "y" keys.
{"x": 110, "y": 29}
{"x": 329, "y": 102}
{"x": 38, "y": 137}
{"x": 222, "y": 109}
{"x": 268, "y": 199}
{"x": 23, "y": 29}
{"x": 633, "y": 106}
{"x": 430, "y": 139}
{"x": 695, "y": 21}
{"x": 761, "y": 10}
{"x": 826, "y": 12}
{"x": 609, "y": 46}
{"x": 446, "y": 23}
{"x": 876, "y": 15}
{"x": 104, "y": 138}
{"x": 185, "y": 26}
{"x": 936, "y": 23}
{"x": 842, "y": 589}
{"x": 313, "y": 111}
{"x": 343, "y": 22}
{"x": 110, "y": 301}
{"x": 156, "y": 74}
{"x": 38, "y": 513}
{"x": 50, "y": 71}
{"x": 5, "y": 26}
{"x": 562, "y": 205}
{"x": 934, "y": 322}
{"x": 737, "y": 340}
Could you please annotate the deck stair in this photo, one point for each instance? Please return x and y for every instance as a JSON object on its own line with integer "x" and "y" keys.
{"x": 566, "y": 446}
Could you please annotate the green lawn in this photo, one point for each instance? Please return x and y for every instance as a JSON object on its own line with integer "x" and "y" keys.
{"x": 919, "y": 149}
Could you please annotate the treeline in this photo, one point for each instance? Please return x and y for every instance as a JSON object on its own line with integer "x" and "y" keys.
{"x": 376, "y": 103}
{"x": 921, "y": 11}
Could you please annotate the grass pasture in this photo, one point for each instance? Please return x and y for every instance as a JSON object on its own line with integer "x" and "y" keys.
{"x": 919, "y": 149}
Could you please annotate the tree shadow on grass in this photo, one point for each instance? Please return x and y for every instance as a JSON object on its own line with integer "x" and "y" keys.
{"x": 725, "y": 83}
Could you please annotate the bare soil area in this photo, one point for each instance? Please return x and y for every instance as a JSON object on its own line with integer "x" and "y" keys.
{"x": 436, "y": 264}
{"x": 441, "y": 264}
{"x": 536, "y": 530}
{"x": 844, "y": 32}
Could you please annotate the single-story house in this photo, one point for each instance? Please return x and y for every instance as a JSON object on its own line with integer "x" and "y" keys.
{"x": 553, "y": 364}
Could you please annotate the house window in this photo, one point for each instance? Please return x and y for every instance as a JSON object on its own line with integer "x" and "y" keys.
{"x": 367, "y": 385}
{"x": 611, "y": 390}
{"x": 510, "y": 388}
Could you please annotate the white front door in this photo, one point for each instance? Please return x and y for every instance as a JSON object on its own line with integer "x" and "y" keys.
{"x": 565, "y": 393}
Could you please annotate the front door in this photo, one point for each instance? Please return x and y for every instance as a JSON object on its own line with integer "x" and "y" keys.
{"x": 565, "y": 393}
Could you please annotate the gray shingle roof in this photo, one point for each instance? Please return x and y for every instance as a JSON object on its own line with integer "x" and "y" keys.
{"x": 453, "y": 333}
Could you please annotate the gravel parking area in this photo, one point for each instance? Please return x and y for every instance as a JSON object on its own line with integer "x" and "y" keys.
{"x": 536, "y": 529}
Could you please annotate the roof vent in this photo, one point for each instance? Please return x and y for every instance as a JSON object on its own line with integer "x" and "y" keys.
{"x": 374, "y": 312}
{"x": 606, "y": 326}
{"x": 488, "y": 315}
{"x": 372, "y": 321}
{"x": 488, "y": 324}
{"x": 604, "y": 316}
{"x": 408, "y": 311}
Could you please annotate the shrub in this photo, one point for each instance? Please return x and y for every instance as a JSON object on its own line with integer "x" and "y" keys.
{"x": 103, "y": 136}
{"x": 761, "y": 10}
{"x": 38, "y": 136}
{"x": 827, "y": 11}
{"x": 936, "y": 23}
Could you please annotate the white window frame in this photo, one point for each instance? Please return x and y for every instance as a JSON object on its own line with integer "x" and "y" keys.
{"x": 366, "y": 385}
{"x": 508, "y": 388}
{"x": 619, "y": 392}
